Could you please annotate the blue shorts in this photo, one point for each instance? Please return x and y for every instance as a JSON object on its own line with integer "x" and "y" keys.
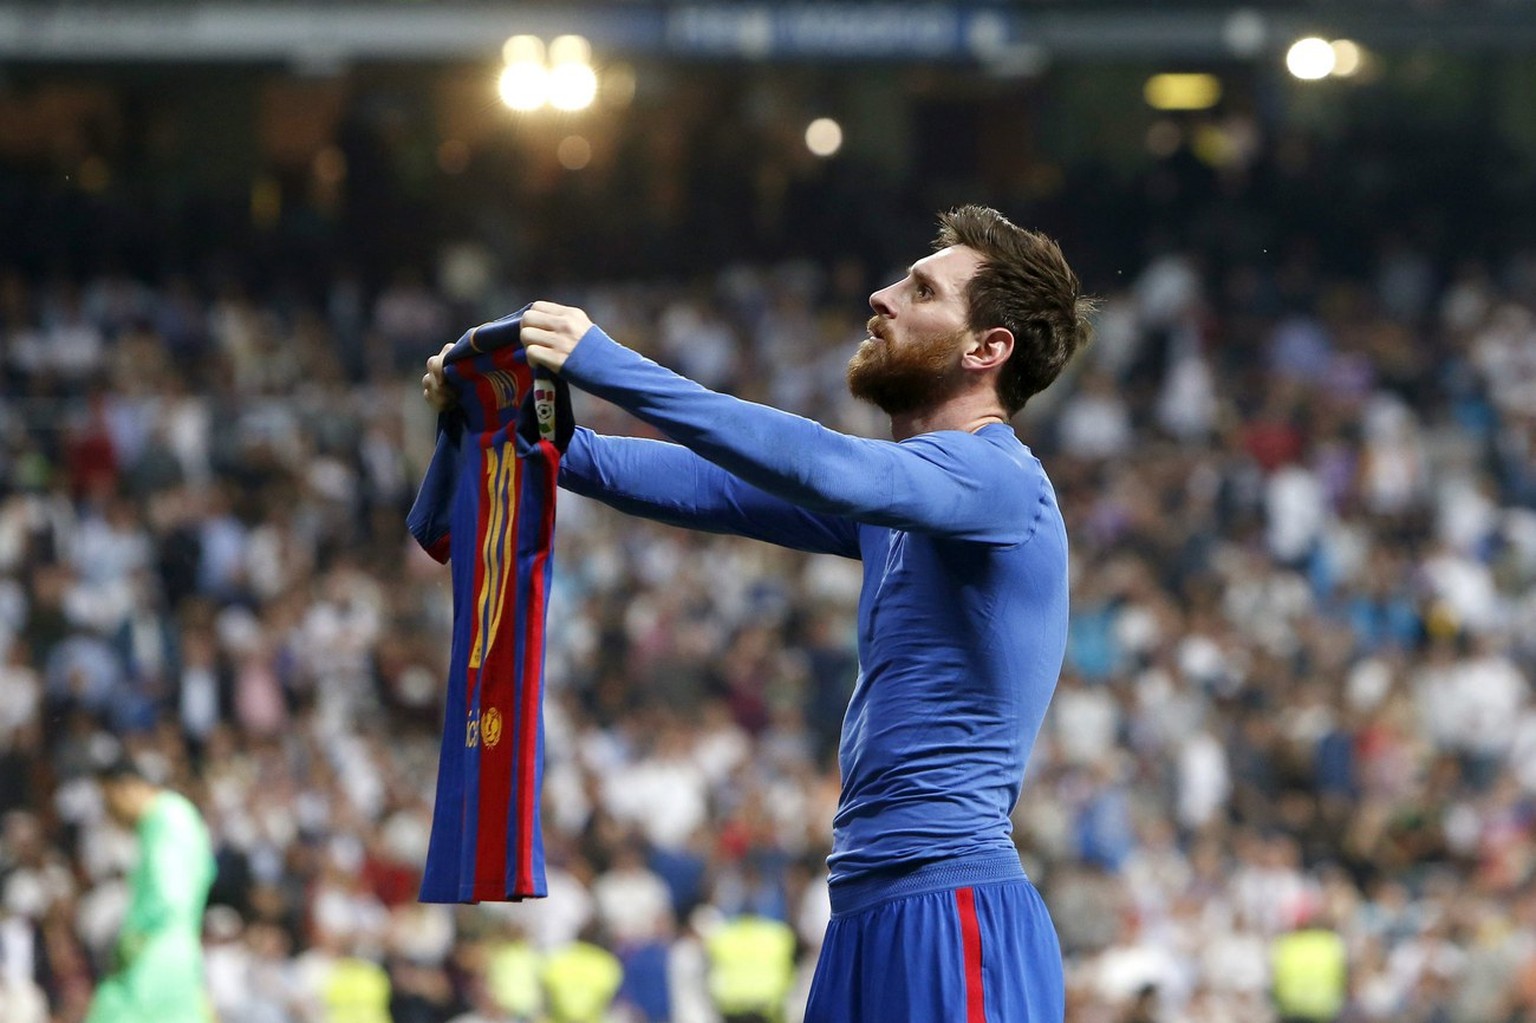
{"x": 980, "y": 954}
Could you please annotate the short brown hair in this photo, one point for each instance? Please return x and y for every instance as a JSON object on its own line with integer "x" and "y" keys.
{"x": 1024, "y": 285}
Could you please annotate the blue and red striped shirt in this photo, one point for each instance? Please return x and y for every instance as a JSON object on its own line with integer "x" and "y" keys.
{"x": 487, "y": 507}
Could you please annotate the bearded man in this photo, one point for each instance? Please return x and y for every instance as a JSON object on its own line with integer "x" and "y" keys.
{"x": 962, "y": 616}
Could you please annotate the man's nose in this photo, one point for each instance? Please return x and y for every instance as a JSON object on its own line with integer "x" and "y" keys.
{"x": 881, "y": 303}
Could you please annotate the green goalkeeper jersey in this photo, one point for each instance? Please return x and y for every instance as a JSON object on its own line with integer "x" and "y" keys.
{"x": 158, "y": 972}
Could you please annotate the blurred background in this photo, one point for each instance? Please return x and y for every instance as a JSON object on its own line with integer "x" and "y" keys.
{"x": 1298, "y": 468}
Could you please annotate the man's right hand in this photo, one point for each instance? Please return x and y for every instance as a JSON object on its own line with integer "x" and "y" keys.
{"x": 434, "y": 386}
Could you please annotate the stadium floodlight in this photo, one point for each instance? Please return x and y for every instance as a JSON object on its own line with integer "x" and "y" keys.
{"x": 1310, "y": 59}
{"x": 524, "y": 86}
{"x": 523, "y": 50}
{"x": 572, "y": 86}
{"x": 1182, "y": 91}
{"x": 570, "y": 50}
{"x": 1347, "y": 57}
{"x": 824, "y": 137}
{"x": 572, "y": 79}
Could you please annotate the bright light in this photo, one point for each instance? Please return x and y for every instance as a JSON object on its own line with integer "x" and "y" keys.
{"x": 572, "y": 86}
{"x": 574, "y": 152}
{"x": 824, "y": 136}
{"x": 523, "y": 50}
{"x": 565, "y": 80}
{"x": 1182, "y": 92}
{"x": 524, "y": 86}
{"x": 570, "y": 50}
{"x": 1347, "y": 57}
{"x": 1310, "y": 59}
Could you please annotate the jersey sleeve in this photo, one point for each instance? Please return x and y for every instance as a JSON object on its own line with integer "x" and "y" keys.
{"x": 951, "y": 484}
{"x": 430, "y": 519}
{"x": 668, "y": 483}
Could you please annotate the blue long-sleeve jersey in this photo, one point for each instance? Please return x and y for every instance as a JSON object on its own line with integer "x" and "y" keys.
{"x": 963, "y": 612}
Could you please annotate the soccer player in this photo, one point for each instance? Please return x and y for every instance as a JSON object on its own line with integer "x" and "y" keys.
{"x": 157, "y": 975}
{"x": 962, "y": 616}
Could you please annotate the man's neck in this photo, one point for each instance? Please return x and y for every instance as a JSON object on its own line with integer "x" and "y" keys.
{"x": 963, "y": 412}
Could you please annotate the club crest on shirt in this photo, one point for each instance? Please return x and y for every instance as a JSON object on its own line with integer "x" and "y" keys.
{"x": 490, "y": 726}
{"x": 504, "y": 387}
{"x": 544, "y": 407}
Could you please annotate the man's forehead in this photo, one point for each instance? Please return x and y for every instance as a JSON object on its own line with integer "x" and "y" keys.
{"x": 952, "y": 265}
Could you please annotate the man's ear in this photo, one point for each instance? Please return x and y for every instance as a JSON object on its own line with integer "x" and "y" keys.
{"x": 989, "y": 349}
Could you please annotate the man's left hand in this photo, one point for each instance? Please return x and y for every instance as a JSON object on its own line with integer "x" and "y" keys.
{"x": 550, "y": 333}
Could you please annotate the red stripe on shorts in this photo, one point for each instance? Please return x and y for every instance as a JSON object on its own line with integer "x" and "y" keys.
{"x": 970, "y": 938}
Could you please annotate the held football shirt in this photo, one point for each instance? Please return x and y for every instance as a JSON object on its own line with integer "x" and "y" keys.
{"x": 487, "y": 506}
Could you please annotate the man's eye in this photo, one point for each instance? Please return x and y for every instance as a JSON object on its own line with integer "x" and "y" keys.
{"x": 923, "y": 291}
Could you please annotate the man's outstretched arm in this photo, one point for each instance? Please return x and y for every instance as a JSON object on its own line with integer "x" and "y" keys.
{"x": 668, "y": 483}
{"x": 950, "y": 484}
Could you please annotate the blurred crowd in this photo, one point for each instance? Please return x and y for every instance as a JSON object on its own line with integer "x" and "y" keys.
{"x": 1297, "y": 695}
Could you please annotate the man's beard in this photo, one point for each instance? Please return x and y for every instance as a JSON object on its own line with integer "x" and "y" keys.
{"x": 901, "y": 380}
